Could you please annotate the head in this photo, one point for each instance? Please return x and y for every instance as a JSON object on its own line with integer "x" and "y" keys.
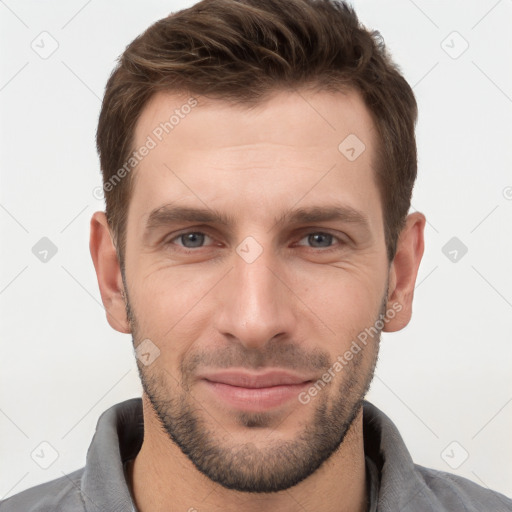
{"x": 258, "y": 161}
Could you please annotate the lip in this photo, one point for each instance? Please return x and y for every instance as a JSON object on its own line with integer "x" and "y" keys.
{"x": 244, "y": 379}
{"x": 247, "y": 391}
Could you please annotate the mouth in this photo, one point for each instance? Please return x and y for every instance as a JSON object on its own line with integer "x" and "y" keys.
{"x": 254, "y": 391}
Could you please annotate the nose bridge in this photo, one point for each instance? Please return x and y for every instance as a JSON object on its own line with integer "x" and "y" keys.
{"x": 255, "y": 305}
{"x": 256, "y": 285}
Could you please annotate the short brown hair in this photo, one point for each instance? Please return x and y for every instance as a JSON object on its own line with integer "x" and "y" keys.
{"x": 242, "y": 51}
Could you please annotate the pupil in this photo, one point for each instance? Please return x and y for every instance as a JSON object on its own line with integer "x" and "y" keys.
{"x": 195, "y": 239}
{"x": 320, "y": 237}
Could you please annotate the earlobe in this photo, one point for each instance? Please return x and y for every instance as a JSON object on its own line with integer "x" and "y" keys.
{"x": 108, "y": 273}
{"x": 403, "y": 272}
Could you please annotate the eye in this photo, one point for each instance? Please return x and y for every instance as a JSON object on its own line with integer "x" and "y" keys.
{"x": 320, "y": 239}
{"x": 198, "y": 239}
{"x": 190, "y": 239}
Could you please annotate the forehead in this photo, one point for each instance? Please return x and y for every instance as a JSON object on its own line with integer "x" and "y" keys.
{"x": 294, "y": 143}
{"x": 316, "y": 119}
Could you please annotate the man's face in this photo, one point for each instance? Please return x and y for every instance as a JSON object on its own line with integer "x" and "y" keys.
{"x": 278, "y": 290}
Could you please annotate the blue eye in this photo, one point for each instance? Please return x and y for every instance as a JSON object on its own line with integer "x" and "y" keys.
{"x": 314, "y": 240}
{"x": 191, "y": 239}
{"x": 320, "y": 239}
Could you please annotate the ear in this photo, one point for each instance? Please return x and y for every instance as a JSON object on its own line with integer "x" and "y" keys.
{"x": 403, "y": 271}
{"x": 108, "y": 272}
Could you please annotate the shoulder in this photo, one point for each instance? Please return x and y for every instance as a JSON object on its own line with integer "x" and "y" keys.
{"x": 448, "y": 492}
{"x": 410, "y": 487}
{"x": 59, "y": 495}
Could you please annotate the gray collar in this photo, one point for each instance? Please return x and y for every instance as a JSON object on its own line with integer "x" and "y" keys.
{"x": 120, "y": 430}
{"x": 402, "y": 485}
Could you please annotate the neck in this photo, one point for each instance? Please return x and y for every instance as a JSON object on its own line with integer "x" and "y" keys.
{"x": 162, "y": 478}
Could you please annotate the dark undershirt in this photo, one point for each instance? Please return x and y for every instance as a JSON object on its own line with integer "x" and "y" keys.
{"x": 372, "y": 484}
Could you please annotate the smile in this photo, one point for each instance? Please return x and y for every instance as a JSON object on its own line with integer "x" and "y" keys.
{"x": 255, "y": 392}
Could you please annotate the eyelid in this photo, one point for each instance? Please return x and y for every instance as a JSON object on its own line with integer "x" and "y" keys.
{"x": 175, "y": 236}
{"x": 303, "y": 233}
{"x": 308, "y": 231}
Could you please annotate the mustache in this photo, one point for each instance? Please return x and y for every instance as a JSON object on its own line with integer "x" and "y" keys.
{"x": 274, "y": 354}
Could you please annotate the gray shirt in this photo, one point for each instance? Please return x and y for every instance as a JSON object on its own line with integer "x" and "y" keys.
{"x": 395, "y": 483}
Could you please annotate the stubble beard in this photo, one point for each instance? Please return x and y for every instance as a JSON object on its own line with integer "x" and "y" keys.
{"x": 244, "y": 467}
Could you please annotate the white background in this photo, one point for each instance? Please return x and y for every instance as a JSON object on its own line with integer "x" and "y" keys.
{"x": 444, "y": 378}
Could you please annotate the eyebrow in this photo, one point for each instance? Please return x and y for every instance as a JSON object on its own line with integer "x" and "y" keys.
{"x": 325, "y": 214}
{"x": 167, "y": 215}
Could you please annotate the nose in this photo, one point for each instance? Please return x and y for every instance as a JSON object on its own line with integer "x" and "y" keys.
{"x": 255, "y": 303}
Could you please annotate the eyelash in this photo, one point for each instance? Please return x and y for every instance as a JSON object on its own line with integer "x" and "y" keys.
{"x": 341, "y": 242}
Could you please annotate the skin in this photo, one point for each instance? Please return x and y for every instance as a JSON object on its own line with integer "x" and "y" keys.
{"x": 298, "y": 305}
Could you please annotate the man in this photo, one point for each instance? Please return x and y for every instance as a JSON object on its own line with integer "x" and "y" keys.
{"x": 258, "y": 161}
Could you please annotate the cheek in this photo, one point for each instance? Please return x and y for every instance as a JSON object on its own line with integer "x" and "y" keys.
{"x": 346, "y": 302}
{"x": 349, "y": 311}
{"x": 169, "y": 302}
{"x": 178, "y": 304}
{"x": 340, "y": 294}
